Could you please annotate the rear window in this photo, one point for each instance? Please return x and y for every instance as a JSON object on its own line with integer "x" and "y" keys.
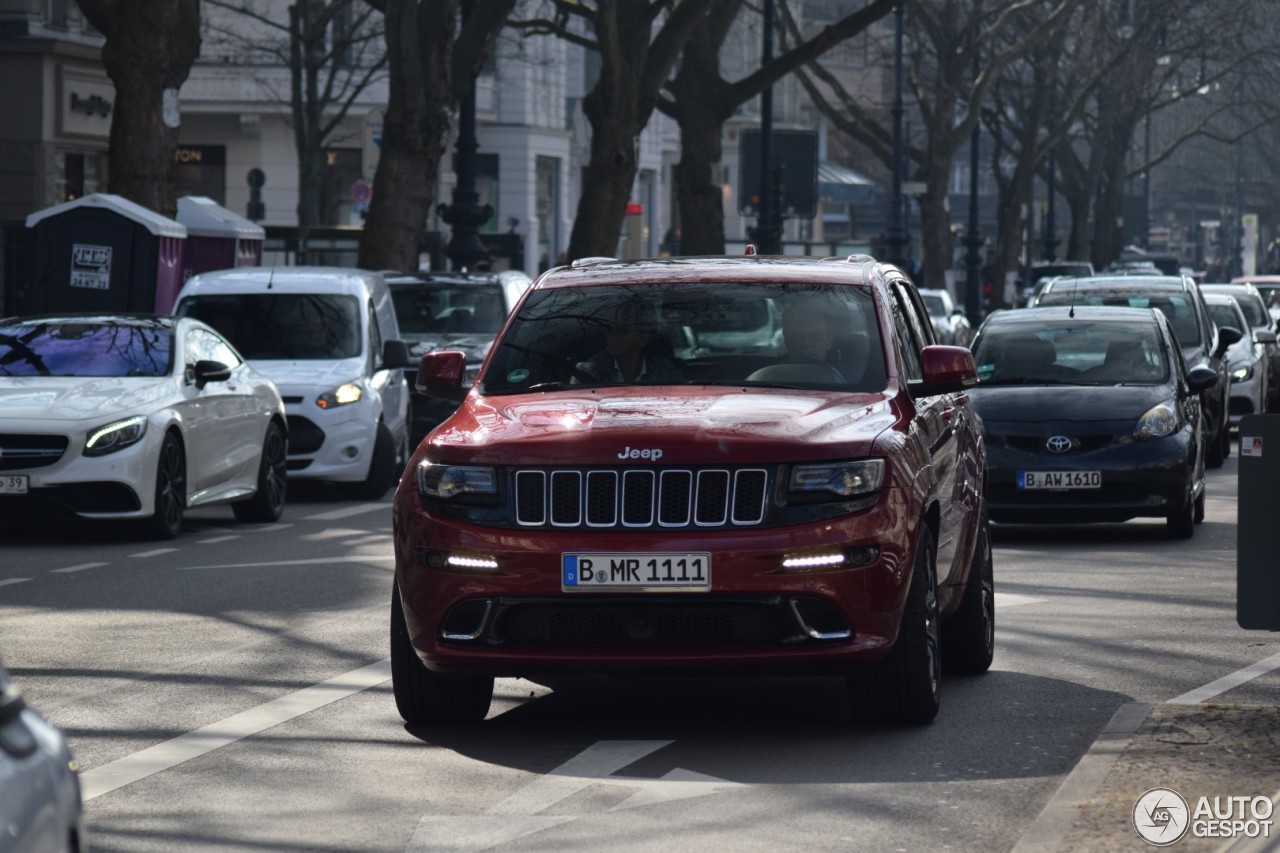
{"x": 292, "y": 326}
{"x": 1174, "y": 304}
{"x": 432, "y": 308}
{"x": 1071, "y": 353}
{"x": 85, "y": 349}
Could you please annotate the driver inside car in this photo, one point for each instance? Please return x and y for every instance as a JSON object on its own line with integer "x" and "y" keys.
{"x": 808, "y": 332}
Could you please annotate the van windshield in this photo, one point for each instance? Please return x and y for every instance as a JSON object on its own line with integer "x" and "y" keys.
{"x": 282, "y": 325}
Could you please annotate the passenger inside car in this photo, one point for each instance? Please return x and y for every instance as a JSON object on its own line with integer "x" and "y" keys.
{"x": 633, "y": 350}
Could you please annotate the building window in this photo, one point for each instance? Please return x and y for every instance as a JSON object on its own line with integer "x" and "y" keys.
{"x": 73, "y": 177}
{"x": 547, "y": 204}
{"x": 202, "y": 170}
{"x": 342, "y": 170}
{"x": 56, "y": 13}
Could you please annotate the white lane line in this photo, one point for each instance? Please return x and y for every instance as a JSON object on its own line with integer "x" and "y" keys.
{"x": 316, "y": 561}
{"x": 79, "y": 568}
{"x": 14, "y": 580}
{"x": 1013, "y": 599}
{"x": 156, "y": 553}
{"x": 266, "y": 528}
{"x": 346, "y": 512}
{"x": 1228, "y": 682}
{"x": 215, "y": 540}
{"x": 162, "y": 756}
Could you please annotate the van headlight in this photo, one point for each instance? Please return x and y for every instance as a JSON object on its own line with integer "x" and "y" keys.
{"x": 453, "y": 481}
{"x": 343, "y": 395}
{"x": 115, "y": 436}
{"x": 815, "y": 481}
{"x": 1158, "y": 421}
{"x": 1243, "y": 373}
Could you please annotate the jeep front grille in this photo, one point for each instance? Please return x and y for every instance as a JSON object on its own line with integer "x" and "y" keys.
{"x": 641, "y": 497}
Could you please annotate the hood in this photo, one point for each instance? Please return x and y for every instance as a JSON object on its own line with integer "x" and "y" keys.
{"x": 615, "y": 426}
{"x": 1067, "y": 404}
{"x": 314, "y": 373}
{"x": 474, "y": 346}
{"x": 74, "y": 398}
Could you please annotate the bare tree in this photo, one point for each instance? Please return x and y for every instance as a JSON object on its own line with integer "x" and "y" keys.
{"x": 333, "y": 52}
{"x": 149, "y": 50}
{"x": 434, "y": 58}
{"x": 701, "y": 101}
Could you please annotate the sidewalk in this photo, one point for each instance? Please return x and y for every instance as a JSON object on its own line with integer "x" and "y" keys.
{"x": 1209, "y": 750}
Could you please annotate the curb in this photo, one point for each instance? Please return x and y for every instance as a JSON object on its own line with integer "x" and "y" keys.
{"x": 1055, "y": 820}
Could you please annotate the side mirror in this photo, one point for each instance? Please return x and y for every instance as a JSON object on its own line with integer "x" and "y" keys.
{"x": 946, "y": 371}
{"x": 1227, "y": 335}
{"x": 1201, "y": 378}
{"x": 211, "y": 371}
{"x": 441, "y": 374}
{"x": 395, "y": 354}
{"x": 1265, "y": 336}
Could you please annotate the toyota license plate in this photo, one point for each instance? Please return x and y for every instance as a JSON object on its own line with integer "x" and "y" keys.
{"x": 635, "y": 572}
{"x": 1059, "y": 479}
{"x": 13, "y": 484}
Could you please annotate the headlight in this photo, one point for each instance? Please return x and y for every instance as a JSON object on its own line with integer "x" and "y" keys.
{"x": 842, "y": 479}
{"x": 341, "y": 396}
{"x": 451, "y": 481}
{"x": 1242, "y": 373}
{"x": 116, "y": 436}
{"x": 1158, "y": 421}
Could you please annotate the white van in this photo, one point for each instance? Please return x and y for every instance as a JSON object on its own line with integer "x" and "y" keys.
{"x": 328, "y": 338}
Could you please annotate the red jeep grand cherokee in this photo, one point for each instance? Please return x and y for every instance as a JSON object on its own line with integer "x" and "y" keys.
{"x": 699, "y": 465}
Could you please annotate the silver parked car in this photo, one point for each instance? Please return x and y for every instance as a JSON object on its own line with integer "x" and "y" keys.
{"x": 950, "y": 325}
{"x": 1245, "y": 362}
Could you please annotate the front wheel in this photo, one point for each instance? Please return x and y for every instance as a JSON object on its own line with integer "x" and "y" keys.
{"x": 382, "y": 468}
{"x": 906, "y": 686}
{"x": 1181, "y": 523}
{"x": 970, "y": 632}
{"x": 424, "y": 697}
{"x": 267, "y": 504}
{"x": 171, "y": 490}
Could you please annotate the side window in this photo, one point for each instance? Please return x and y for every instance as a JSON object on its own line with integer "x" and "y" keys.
{"x": 191, "y": 352}
{"x": 375, "y": 340}
{"x": 908, "y": 338}
{"x": 219, "y": 350}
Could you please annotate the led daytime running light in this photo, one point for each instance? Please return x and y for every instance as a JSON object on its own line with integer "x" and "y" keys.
{"x": 462, "y": 561}
{"x": 812, "y": 561}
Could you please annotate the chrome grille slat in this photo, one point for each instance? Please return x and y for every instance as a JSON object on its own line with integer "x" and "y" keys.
{"x": 18, "y": 452}
{"x": 639, "y": 498}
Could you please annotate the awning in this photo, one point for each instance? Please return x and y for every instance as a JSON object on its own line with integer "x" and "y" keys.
{"x": 843, "y": 185}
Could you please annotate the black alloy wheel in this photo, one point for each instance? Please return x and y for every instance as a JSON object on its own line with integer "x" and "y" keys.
{"x": 171, "y": 490}
{"x": 267, "y": 504}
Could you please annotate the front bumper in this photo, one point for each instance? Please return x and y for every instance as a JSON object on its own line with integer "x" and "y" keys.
{"x": 1246, "y": 397}
{"x": 118, "y": 485}
{"x": 334, "y": 445}
{"x": 1139, "y": 479}
{"x": 756, "y": 617}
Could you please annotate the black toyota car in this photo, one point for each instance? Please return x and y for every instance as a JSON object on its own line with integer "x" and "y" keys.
{"x": 1202, "y": 343}
{"x": 1089, "y": 415}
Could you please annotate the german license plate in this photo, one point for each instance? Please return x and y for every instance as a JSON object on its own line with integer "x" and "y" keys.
{"x": 13, "y": 484}
{"x": 1059, "y": 479}
{"x": 634, "y": 572}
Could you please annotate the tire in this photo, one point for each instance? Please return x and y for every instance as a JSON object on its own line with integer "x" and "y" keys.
{"x": 171, "y": 490}
{"x": 1182, "y": 523}
{"x": 1226, "y": 435}
{"x": 906, "y": 686}
{"x": 1214, "y": 457}
{"x": 422, "y": 696}
{"x": 1198, "y": 515}
{"x": 382, "y": 468}
{"x": 267, "y": 504}
{"x": 969, "y": 635}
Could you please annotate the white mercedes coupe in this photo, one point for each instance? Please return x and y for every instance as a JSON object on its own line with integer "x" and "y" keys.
{"x": 135, "y": 417}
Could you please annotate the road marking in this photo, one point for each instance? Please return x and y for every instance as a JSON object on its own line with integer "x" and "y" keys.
{"x": 215, "y": 540}
{"x": 1012, "y": 599}
{"x": 156, "y": 553}
{"x": 14, "y": 580}
{"x": 1228, "y": 682}
{"x": 79, "y": 568}
{"x": 345, "y": 512}
{"x": 516, "y": 816}
{"x": 132, "y": 768}
{"x": 316, "y": 561}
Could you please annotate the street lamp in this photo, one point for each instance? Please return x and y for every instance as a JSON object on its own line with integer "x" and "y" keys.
{"x": 768, "y": 230}
{"x": 466, "y": 214}
{"x": 973, "y": 242}
{"x": 896, "y": 239}
{"x": 1050, "y": 226}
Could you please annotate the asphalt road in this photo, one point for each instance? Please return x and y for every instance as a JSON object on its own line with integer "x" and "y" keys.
{"x": 228, "y": 691}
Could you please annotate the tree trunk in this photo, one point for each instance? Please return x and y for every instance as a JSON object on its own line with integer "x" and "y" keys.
{"x": 414, "y": 135}
{"x": 149, "y": 49}
{"x": 697, "y": 190}
{"x": 610, "y": 172}
{"x": 935, "y": 228}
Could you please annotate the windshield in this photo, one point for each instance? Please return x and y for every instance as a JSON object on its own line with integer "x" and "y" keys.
{"x": 1174, "y": 304}
{"x": 1074, "y": 353}
{"x": 793, "y": 336}
{"x": 448, "y": 308}
{"x": 1225, "y": 315}
{"x": 297, "y": 326}
{"x": 85, "y": 349}
{"x": 1254, "y": 310}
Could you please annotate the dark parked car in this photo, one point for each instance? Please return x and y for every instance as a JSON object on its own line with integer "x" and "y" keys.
{"x": 1179, "y": 298}
{"x": 1090, "y": 414}
{"x": 449, "y": 310}
{"x": 599, "y": 504}
{"x": 1041, "y": 271}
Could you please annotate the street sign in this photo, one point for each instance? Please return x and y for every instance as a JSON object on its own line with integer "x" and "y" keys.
{"x": 796, "y": 151}
{"x": 371, "y": 148}
{"x": 361, "y": 192}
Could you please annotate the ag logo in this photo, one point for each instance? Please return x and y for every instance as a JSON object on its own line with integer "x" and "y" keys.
{"x": 1161, "y": 816}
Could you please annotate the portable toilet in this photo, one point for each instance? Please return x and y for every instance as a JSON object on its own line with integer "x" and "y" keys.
{"x": 217, "y": 239}
{"x": 102, "y": 252}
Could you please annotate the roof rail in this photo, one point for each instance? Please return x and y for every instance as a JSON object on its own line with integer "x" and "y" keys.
{"x": 591, "y": 259}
